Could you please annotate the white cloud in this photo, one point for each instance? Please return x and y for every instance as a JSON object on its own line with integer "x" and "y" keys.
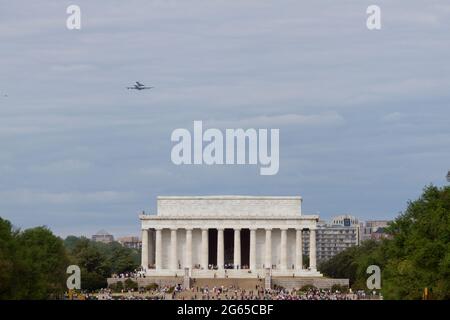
{"x": 281, "y": 120}
{"x": 72, "y": 67}
{"x": 287, "y": 64}
{"x": 393, "y": 117}
{"x": 67, "y": 165}
{"x": 36, "y": 197}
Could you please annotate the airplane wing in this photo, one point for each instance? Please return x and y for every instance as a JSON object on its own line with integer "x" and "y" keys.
{"x": 139, "y": 84}
{"x": 136, "y": 87}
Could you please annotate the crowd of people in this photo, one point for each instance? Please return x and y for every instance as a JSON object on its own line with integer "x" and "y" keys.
{"x": 137, "y": 273}
{"x": 156, "y": 292}
{"x": 226, "y": 293}
{"x": 259, "y": 293}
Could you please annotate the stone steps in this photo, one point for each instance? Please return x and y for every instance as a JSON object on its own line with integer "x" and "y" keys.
{"x": 297, "y": 283}
{"x": 243, "y": 283}
{"x": 248, "y": 284}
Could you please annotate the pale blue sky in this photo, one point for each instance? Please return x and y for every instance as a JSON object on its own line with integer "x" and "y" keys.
{"x": 363, "y": 115}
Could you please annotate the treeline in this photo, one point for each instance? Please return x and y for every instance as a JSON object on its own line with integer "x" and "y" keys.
{"x": 417, "y": 256}
{"x": 99, "y": 260}
{"x": 33, "y": 262}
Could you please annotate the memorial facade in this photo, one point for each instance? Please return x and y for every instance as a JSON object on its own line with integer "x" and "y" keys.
{"x": 228, "y": 236}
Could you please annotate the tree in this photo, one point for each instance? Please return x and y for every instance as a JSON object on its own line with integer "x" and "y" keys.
{"x": 32, "y": 263}
{"x": 7, "y": 258}
{"x": 99, "y": 260}
{"x": 118, "y": 258}
{"x": 92, "y": 263}
{"x": 43, "y": 264}
{"x": 419, "y": 253}
{"x": 417, "y": 256}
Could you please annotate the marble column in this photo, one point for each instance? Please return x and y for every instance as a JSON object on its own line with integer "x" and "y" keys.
{"x": 237, "y": 249}
{"x": 173, "y": 250}
{"x": 312, "y": 249}
{"x": 158, "y": 249}
{"x": 189, "y": 249}
{"x": 204, "y": 255}
{"x": 268, "y": 260}
{"x": 283, "y": 247}
{"x": 220, "y": 250}
{"x": 252, "y": 249}
{"x": 151, "y": 247}
{"x": 144, "y": 249}
{"x": 299, "y": 250}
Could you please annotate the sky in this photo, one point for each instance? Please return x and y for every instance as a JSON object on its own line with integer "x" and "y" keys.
{"x": 363, "y": 115}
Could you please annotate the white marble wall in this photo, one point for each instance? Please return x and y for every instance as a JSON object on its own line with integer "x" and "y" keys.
{"x": 165, "y": 248}
{"x": 291, "y": 237}
{"x": 276, "y": 234}
{"x": 196, "y": 246}
{"x": 229, "y": 206}
{"x": 260, "y": 247}
{"x": 181, "y": 247}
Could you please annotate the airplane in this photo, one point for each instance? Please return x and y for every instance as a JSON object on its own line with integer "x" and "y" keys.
{"x": 139, "y": 86}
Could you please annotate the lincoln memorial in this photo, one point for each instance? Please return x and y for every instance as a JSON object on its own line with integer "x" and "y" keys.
{"x": 228, "y": 236}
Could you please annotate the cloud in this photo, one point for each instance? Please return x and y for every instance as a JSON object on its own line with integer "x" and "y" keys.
{"x": 393, "y": 117}
{"x": 37, "y": 197}
{"x": 281, "y": 120}
{"x": 363, "y": 114}
{"x": 72, "y": 67}
{"x": 67, "y": 165}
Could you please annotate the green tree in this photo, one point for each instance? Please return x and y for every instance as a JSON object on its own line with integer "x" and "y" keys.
{"x": 32, "y": 263}
{"x": 416, "y": 257}
{"x": 419, "y": 253}
{"x": 43, "y": 264}
{"x": 92, "y": 263}
{"x": 8, "y": 256}
{"x": 118, "y": 258}
{"x": 99, "y": 260}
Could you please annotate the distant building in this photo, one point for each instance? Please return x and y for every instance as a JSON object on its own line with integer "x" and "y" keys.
{"x": 380, "y": 234}
{"x": 345, "y": 220}
{"x": 374, "y": 229}
{"x": 342, "y": 232}
{"x": 332, "y": 238}
{"x": 130, "y": 242}
{"x": 103, "y": 236}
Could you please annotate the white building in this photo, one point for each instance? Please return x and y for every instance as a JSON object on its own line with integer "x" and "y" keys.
{"x": 374, "y": 229}
{"x": 228, "y": 236}
{"x": 331, "y": 238}
{"x": 130, "y": 242}
{"x": 103, "y": 236}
